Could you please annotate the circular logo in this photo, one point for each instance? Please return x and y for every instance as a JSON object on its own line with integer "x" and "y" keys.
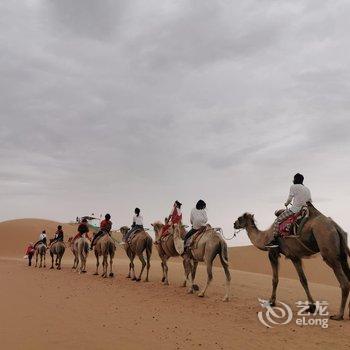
{"x": 274, "y": 316}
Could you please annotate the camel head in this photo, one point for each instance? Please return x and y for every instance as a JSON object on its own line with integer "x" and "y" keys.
{"x": 123, "y": 230}
{"x": 244, "y": 221}
{"x": 157, "y": 226}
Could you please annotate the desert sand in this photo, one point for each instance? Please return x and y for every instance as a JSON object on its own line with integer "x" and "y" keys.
{"x": 62, "y": 309}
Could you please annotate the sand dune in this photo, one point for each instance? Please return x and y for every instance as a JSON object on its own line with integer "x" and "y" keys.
{"x": 65, "y": 309}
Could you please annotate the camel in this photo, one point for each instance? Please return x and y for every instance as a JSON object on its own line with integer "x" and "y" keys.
{"x": 40, "y": 251}
{"x": 319, "y": 234}
{"x": 57, "y": 249}
{"x": 209, "y": 245}
{"x": 141, "y": 242}
{"x": 105, "y": 247}
{"x": 80, "y": 249}
{"x": 166, "y": 249}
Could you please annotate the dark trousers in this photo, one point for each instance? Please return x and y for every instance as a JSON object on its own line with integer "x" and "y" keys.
{"x": 131, "y": 231}
{"x": 98, "y": 234}
{"x": 190, "y": 233}
{"x": 30, "y": 256}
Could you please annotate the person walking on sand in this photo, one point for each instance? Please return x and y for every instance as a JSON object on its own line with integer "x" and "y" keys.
{"x": 30, "y": 252}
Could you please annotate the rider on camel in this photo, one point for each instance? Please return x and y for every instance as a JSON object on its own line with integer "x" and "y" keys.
{"x": 105, "y": 227}
{"x": 82, "y": 229}
{"x": 198, "y": 219}
{"x": 174, "y": 218}
{"x": 299, "y": 195}
{"x": 42, "y": 239}
{"x": 137, "y": 225}
{"x": 59, "y": 235}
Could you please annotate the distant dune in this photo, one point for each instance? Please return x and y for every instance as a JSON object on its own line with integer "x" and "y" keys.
{"x": 16, "y": 234}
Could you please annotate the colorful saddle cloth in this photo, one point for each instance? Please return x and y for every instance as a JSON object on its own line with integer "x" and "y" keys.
{"x": 293, "y": 224}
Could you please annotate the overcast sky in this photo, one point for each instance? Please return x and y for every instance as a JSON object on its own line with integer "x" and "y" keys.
{"x": 108, "y": 105}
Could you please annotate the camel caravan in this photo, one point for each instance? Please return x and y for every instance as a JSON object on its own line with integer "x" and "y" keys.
{"x": 299, "y": 231}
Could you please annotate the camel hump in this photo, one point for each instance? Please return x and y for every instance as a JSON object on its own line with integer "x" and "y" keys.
{"x": 179, "y": 244}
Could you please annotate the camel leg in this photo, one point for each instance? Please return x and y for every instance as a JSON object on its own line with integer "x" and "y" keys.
{"x": 97, "y": 263}
{"x": 346, "y": 270}
{"x": 51, "y": 260}
{"x": 143, "y": 262}
{"x": 209, "y": 264}
{"x": 148, "y": 267}
{"x": 185, "y": 277}
{"x": 45, "y": 259}
{"x": 83, "y": 259}
{"x": 41, "y": 260}
{"x": 335, "y": 264}
{"x": 188, "y": 273}
{"x": 58, "y": 262}
{"x": 345, "y": 266}
{"x": 78, "y": 261}
{"x": 129, "y": 274}
{"x": 148, "y": 258}
{"x": 166, "y": 281}
{"x": 133, "y": 275}
{"x": 273, "y": 257}
{"x": 36, "y": 259}
{"x": 111, "y": 274}
{"x": 163, "y": 271}
{"x": 104, "y": 266}
{"x": 193, "y": 274}
{"x": 303, "y": 280}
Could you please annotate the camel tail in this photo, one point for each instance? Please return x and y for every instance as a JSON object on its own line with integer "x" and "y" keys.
{"x": 111, "y": 249}
{"x": 86, "y": 248}
{"x": 149, "y": 245}
{"x": 223, "y": 253}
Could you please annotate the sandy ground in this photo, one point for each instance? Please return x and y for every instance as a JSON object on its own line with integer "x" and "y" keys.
{"x": 60, "y": 309}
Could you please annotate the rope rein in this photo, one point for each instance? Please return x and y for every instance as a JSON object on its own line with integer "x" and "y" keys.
{"x": 221, "y": 231}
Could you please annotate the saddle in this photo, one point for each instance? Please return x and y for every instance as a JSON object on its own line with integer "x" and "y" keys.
{"x": 134, "y": 234}
{"x": 294, "y": 224}
{"x": 167, "y": 235}
{"x": 194, "y": 240}
{"x": 104, "y": 233}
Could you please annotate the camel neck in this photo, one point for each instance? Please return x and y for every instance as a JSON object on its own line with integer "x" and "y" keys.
{"x": 257, "y": 237}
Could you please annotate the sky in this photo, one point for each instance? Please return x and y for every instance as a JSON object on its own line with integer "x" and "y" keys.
{"x": 109, "y": 105}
